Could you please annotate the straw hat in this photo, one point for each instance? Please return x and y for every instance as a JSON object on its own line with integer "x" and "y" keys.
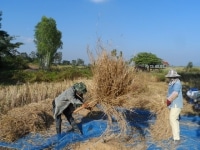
{"x": 172, "y": 73}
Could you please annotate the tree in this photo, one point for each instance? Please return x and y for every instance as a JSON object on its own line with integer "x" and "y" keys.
{"x": 189, "y": 66}
{"x": 144, "y": 58}
{"x": 33, "y": 56}
{"x": 73, "y": 62}
{"x": 66, "y": 62}
{"x": 58, "y": 58}
{"x": 79, "y": 62}
{"x": 47, "y": 40}
{"x": 114, "y": 53}
{"x": 8, "y": 50}
{"x": 24, "y": 55}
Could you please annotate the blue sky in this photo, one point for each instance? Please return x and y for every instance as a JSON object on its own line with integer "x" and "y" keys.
{"x": 168, "y": 28}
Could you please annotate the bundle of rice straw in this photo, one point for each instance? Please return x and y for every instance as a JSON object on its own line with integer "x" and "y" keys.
{"x": 23, "y": 120}
{"x": 114, "y": 84}
{"x": 152, "y": 99}
{"x": 161, "y": 129}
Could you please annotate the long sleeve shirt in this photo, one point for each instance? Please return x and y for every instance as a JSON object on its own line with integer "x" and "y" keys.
{"x": 64, "y": 99}
{"x": 175, "y": 94}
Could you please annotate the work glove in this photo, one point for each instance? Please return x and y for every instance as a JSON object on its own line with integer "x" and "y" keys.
{"x": 168, "y": 102}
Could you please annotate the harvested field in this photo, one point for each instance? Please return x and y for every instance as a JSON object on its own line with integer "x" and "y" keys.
{"x": 114, "y": 85}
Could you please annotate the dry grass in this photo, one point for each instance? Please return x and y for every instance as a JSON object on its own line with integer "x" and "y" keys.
{"x": 114, "y": 84}
{"x": 28, "y": 108}
{"x": 23, "y": 120}
{"x": 99, "y": 144}
{"x": 153, "y": 99}
{"x": 20, "y": 95}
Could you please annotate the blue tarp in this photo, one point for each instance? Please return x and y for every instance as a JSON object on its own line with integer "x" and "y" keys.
{"x": 141, "y": 119}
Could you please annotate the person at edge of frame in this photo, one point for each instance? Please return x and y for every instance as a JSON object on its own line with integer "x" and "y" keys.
{"x": 174, "y": 103}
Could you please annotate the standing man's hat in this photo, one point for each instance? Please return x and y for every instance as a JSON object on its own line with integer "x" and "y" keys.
{"x": 172, "y": 73}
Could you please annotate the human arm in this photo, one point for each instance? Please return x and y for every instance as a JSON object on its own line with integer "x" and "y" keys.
{"x": 173, "y": 93}
{"x": 173, "y": 96}
{"x": 88, "y": 105}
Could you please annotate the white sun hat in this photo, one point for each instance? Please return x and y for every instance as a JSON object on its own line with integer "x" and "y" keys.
{"x": 172, "y": 73}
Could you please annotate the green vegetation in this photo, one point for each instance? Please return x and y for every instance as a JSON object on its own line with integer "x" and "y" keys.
{"x": 48, "y": 41}
{"x": 144, "y": 58}
{"x": 8, "y": 53}
{"x": 12, "y": 77}
{"x": 15, "y": 66}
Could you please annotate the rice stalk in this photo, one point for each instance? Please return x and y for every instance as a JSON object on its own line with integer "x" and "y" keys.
{"x": 20, "y": 95}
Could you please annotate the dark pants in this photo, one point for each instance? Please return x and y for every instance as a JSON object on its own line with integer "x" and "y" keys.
{"x": 68, "y": 114}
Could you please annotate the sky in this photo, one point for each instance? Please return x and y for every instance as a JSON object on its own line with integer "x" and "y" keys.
{"x": 170, "y": 29}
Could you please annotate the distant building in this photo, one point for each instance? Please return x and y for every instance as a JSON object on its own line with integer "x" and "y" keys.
{"x": 165, "y": 64}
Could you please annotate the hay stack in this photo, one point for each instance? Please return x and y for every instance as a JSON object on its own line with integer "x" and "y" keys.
{"x": 21, "y": 121}
{"x": 116, "y": 85}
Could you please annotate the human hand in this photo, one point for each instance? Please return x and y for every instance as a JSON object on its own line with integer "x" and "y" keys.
{"x": 85, "y": 105}
{"x": 168, "y": 102}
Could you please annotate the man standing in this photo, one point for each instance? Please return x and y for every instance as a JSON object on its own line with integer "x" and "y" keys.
{"x": 174, "y": 103}
{"x": 66, "y": 103}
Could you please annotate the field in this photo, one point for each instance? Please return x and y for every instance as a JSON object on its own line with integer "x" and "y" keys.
{"x": 153, "y": 91}
{"x": 26, "y": 108}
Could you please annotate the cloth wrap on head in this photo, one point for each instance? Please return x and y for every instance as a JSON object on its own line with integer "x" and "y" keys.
{"x": 64, "y": 99}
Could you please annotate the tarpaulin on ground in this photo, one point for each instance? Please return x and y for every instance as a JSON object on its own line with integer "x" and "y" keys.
{"x": 142, "y": 119}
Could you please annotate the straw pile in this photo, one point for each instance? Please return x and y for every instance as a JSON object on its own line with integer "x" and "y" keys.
{"x": 23, "y": 120}
{"x": 116, "y": 85}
